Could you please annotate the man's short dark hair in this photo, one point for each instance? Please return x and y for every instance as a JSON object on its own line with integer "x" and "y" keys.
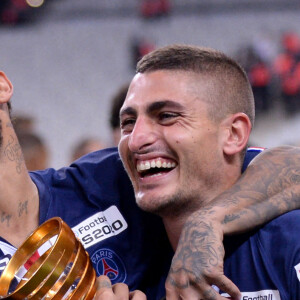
{"x": 230, "y": 90}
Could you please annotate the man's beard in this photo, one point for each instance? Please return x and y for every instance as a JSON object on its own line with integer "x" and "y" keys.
{"x": 176, "y": 205}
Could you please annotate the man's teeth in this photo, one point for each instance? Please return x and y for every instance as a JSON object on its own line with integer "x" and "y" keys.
{"x": 155, "y": 164}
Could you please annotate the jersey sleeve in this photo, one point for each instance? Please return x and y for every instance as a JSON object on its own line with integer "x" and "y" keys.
{"x": 96, "y": 180}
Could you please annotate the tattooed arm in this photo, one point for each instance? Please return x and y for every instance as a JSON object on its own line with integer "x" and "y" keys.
{"x": 18, "y": 195}
{"x": 269, "y": 187}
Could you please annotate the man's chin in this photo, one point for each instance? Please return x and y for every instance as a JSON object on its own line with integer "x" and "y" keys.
{"x": 174, "y": 205}
{"x": 158, "y": 206}
{"x": 148, "y": 204}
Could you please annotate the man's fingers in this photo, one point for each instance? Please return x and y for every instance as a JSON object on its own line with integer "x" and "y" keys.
{"x": 121, "y": 289}
{"x": 175, "y": 288}
{"x": 227, "y": 286}
{"x": 207, "y": 293}
{"x": 103, "y": 282}
{"x": 104, "y": 289}
{"x": 137, "y": 295}
{"x": 193, "y": 293}
{"x": 201, "y": 288}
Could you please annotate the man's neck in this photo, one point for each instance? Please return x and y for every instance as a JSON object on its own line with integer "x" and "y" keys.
{"x": 174, "y": 224}
{"x": 173, "y": 228}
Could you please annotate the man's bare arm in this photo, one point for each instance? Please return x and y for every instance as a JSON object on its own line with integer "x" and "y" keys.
{"x": 269, "y": 187}
{"x": 18, "y": 197}
{"x": 19, "y": 204}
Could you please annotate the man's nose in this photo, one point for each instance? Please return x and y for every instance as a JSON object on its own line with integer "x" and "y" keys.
{"x": 142, "y": 136}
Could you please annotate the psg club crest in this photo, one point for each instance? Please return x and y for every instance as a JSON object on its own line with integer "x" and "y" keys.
{"x": 107, "y": 262}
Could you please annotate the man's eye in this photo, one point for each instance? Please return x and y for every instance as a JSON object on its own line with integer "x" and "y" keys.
{"x": 127, "y": 124}
{"x": 167, "y": 116}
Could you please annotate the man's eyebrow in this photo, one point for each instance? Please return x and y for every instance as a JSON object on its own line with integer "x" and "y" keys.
{"x": 155, "y": 106}
{"x": 127, "y": 111}
{"x": 164, "y": 103}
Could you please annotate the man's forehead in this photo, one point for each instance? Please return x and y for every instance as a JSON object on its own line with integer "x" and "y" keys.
{"x": 164, "y": 85}
{"x": 160, "y": 81}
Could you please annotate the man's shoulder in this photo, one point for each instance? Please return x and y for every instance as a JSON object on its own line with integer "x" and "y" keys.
{"x": 283, "y": 230}
{"x": 281, "y": 235}
{"x": 110, "y": 155}
{"x": 99, "y": 164}
{"x": 94, "y": 182}
{"x": 283, "y": 222}
{"x": 269, "y": 258}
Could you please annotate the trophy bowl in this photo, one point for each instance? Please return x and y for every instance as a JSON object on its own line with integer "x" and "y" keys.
{"x": 50, "y": 264}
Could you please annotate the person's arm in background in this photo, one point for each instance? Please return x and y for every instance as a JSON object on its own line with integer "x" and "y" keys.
{"x": 19, "y": 204}
{"x": 268, "y": 188}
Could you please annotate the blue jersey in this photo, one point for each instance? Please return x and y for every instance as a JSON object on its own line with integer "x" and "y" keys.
{"x": 95, "y": 198}
{"x": 265, "y": 264}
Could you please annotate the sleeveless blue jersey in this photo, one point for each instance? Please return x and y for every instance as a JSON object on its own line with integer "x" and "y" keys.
{"x": 95, "y": 198}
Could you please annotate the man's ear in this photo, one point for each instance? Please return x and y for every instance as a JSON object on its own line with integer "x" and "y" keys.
{"x": 6, "y": 88}
{"x": 237, "y": 130}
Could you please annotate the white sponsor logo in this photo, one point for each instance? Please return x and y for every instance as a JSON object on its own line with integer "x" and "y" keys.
{"x": 297, "y": 268}
{"x": 259, "y": 295}
{"x": 100, "y": 226}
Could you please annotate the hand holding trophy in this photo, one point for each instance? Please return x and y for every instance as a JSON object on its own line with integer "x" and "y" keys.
{"x": 61, "y": 271}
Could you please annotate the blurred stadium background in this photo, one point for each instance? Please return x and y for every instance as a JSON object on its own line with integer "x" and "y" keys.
{"x": 67, "y": 58}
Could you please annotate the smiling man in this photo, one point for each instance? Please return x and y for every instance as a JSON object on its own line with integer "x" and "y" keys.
{"x": 185, "y": 127}
{"x": 95, "y": 198}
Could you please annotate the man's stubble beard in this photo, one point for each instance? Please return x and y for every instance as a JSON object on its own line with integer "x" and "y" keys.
{"x": 186, "y": 200}
{"x": 178, "y": 204}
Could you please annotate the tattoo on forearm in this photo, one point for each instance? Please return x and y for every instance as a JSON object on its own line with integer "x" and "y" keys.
{"x": 232, "y": 217}
{"x": 5, "y": 218}
{"x": 268, "y": 188}
{"x": 14, "y": 153}
{"x": 23, "y": 208}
